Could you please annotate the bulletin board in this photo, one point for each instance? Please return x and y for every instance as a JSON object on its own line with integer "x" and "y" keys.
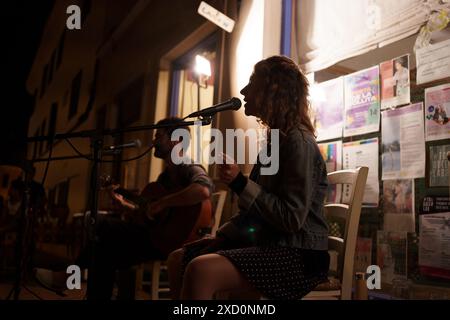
{"x": 412, "y": 193}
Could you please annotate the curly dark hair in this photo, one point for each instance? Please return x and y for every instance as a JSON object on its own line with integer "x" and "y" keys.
{"x": 284, "y": 102}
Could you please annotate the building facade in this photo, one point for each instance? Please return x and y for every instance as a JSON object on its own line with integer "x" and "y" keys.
{"x": 131, "y": 64}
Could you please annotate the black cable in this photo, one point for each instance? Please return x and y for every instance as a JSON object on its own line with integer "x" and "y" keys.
{"x": 108, "y": 161}
{"x": 50, "y": 151}
{"x": 76, "y": 150}
{"x": 132, "y": 159}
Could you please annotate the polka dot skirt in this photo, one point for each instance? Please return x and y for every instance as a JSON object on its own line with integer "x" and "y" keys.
{"x": 276, "y": 272}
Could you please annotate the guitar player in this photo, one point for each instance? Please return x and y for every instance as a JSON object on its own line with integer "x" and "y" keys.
{"x": 121, "y": 244}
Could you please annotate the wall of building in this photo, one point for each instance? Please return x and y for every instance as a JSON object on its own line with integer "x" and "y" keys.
{"x": 127, "y": 45}
{"x": 78, "y": 54}
{"x": 136, "y": 52}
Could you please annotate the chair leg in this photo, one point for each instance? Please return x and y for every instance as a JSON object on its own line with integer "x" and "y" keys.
{"x": 139, "y": 276}
{"x": 156, "y": 271}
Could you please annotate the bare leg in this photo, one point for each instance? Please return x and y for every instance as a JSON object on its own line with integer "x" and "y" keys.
{"x": 209, "y": 273}
{"x": 174, "y": 273}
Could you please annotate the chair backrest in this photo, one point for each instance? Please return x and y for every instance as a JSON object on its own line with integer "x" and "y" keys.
{"x": 218, "y": 202}
{"x": 348, "y": 214}
{"x": 448, "y": 169}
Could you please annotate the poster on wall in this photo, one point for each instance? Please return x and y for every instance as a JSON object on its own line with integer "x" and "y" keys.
{"x": 434, "y": 245}
{"x": 433, "y": 62}
{"x": 438, "y": 173}
{"x": 395, "y": 85}
{"x": 363, "y": 254}
{"x": 429, "y": 200}
{"x": 437, "y": 112}
{"x": 328, "y": 108}
{"x": 398, "y": 205}
{"x": 392, "y": 255}
{"x": 434, "y": 204}
{"x": 332, "y": 154}
{"x": 362, "y": 102}
{"x": 403, "y": 144}
{"x": 363, "y": 153}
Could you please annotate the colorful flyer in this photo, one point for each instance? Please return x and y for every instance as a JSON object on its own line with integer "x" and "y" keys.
{"x": 437, "y": 113}
{"x": 332, "y": 155}
{"x": 398, "y": 205}
{"x": 403, "y": 143}
{"x": 328, "y": 108}
{"x": 395, "y": 85}
{"x": 434, "y": 245}
{"x": 438, "y": 174}
{"x": 392, "y": 255}
{"x": 362, "y": 102}
{"x": 363, "y": 153}
{"x": 363, "y": 254}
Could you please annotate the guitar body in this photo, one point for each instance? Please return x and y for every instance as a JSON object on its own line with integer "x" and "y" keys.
{"x": 175, "y": 226}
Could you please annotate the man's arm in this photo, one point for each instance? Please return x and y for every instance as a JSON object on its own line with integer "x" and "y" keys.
{"x": 192, "y": 194}
{"x": 199, "y": 189}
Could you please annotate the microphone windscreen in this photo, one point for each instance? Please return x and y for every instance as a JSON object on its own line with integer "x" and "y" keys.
{"x": 236, "y": 103}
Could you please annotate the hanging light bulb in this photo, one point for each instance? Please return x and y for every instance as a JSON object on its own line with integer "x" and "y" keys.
{"x": 202, "y": 66}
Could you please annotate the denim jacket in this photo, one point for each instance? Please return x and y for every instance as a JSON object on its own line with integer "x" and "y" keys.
{"x": 284, "y": 209}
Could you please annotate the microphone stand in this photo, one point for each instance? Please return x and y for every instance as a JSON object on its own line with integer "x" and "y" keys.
{"x": 96, "y": 144}
{"x": 24, "y": 241}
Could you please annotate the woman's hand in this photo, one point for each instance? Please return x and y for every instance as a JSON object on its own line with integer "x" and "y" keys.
{"x": 228, "y": 171}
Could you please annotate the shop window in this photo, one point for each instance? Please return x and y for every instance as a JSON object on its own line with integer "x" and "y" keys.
{"x": 36, "y": 145}
{"x": 63, "y": 194}
{"x": 60, "y": 49}
{"x": 44, "y": 80}
{"x": 52, "y": 122}
{"x": 75, "y": 95}
{"x": 129, "y": 101}
{"x": 42, "y": 132}
{"x": 193, "y": 85}
{"x": 51, "y": 66}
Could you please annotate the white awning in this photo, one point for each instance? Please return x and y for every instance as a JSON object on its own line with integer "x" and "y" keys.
{"x": 329, "y": 31}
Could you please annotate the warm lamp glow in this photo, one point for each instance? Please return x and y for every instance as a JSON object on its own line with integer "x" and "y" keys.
{"x": 202, "y": 66}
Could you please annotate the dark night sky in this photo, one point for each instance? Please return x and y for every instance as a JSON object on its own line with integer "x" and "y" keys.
{"x": 22, "y": 23}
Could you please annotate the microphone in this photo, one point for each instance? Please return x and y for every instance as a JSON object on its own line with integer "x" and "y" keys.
{"x": 232, "y": 104}
{"x": 133, "y": 144}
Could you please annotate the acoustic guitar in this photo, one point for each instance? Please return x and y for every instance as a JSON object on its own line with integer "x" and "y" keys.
{"x": 174, "y": 226}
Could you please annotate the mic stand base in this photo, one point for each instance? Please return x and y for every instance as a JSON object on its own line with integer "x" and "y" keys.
{"x": 97, "y": 146}
{"x": 24, "y": 243}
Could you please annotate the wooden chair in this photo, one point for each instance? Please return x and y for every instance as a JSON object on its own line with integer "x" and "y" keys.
{"x": 347, "y": 213}
{"x": 218, "y": 202}
{"x": 156, "y": 266}
{"x": 448, "y": 169}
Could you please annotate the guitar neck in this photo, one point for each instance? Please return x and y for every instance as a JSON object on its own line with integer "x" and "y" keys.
{"x": 130, "y": 196}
